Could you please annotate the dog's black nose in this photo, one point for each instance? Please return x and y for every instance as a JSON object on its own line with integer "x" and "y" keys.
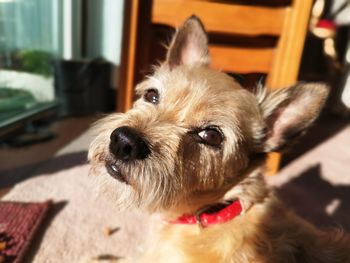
{"x": 127, "y": 144}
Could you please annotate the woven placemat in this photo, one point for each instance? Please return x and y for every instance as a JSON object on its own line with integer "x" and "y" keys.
{"x": 18, "y": 224}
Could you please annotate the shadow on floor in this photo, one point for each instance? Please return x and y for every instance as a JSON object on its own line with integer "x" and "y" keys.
{"x": 326, "y": 126}
{"x": 310, "y": 196}
{"x": 16, "y": 175}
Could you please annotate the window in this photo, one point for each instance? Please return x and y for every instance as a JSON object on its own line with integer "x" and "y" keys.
{"x": 30, "y": 37}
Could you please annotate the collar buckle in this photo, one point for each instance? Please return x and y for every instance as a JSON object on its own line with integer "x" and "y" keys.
{"x": 198, "y": 214}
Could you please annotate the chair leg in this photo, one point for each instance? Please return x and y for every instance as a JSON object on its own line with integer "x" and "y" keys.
{"x": 273, "y": 163}
{"x": 136, "y": 32}
{"x": 126, "y": 81}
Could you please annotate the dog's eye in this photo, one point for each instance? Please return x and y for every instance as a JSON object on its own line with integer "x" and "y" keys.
{"x": 152, "y": 96}
{"x": 211, "y": 137}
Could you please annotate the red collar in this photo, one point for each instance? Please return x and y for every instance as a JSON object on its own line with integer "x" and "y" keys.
{"x": 204, "y": 218}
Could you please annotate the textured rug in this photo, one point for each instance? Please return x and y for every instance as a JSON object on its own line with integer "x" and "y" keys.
{"x": 19, "y": 222}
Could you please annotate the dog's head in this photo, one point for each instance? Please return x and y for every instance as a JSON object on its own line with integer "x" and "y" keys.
{"x": 194, "y": 134}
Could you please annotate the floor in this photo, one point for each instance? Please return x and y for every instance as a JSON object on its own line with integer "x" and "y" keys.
{"x": 314, "y": 181}
{"x": 315, "y": 178}
{"x": 70, "y": 145}
{"x": 307, "y": 185}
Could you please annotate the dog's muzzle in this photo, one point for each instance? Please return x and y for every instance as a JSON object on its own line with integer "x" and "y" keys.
{"x": 126, "y": 144}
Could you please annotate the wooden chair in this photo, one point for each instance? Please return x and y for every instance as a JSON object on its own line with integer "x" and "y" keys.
{"x": 279, "y": 24}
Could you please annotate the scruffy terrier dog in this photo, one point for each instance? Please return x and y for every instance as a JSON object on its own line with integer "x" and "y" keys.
{"x": 192, "y": 150}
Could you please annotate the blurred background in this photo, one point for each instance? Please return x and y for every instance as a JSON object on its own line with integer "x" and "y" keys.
{"x": 59, "y": 62}
{"x": 66, "y": 63}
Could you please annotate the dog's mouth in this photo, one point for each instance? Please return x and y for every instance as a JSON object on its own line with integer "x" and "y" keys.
{"x": 114, "y": 170}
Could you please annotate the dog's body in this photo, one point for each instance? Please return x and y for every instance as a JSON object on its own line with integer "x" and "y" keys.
{"x": 194, "y": 139}
{"x": 267, "y": 233}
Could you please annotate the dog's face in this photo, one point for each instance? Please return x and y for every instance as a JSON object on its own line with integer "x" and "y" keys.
{"x": 191, "y": 136}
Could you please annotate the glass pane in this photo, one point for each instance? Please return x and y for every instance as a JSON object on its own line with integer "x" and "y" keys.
{"x": 29, "y": 40}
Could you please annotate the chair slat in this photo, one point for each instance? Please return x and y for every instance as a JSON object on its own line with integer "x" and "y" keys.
{"x": 220, "y": 17}
{"x": 241, "y": 59}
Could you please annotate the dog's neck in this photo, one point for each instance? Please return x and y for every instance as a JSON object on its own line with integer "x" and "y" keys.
{"x": 250, "y": 190}
{"x": 237, "y": 200}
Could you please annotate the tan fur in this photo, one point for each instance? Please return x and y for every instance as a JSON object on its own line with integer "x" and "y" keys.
{"x": 182, "y": 175}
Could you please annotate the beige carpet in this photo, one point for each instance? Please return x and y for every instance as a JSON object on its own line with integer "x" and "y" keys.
{"x": 316, "y": 185}
{"x": 76, "y": 227}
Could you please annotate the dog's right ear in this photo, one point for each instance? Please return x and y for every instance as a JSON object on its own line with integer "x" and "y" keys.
{"x": 189, "y": 45}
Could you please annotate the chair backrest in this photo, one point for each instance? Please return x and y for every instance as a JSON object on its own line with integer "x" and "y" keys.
{"x": 273, "y": 33}
{"x": 255, "y": 36}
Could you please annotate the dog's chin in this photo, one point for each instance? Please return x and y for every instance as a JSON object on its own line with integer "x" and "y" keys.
{"x": 114, "y": 170}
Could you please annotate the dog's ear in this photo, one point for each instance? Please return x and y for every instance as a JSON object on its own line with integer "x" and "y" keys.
{"x": 289, "y": 112}
{"x": 189, "y": 45}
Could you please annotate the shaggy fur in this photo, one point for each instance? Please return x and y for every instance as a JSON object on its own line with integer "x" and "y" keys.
{"x": 183, "y": 173}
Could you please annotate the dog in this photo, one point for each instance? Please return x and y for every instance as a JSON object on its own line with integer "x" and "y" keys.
{"x": 192, "y": 150}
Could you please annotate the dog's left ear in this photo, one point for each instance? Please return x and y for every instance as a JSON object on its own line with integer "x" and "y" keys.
{"x": 189, "y": 45}
{"x": 289, "y": 112}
